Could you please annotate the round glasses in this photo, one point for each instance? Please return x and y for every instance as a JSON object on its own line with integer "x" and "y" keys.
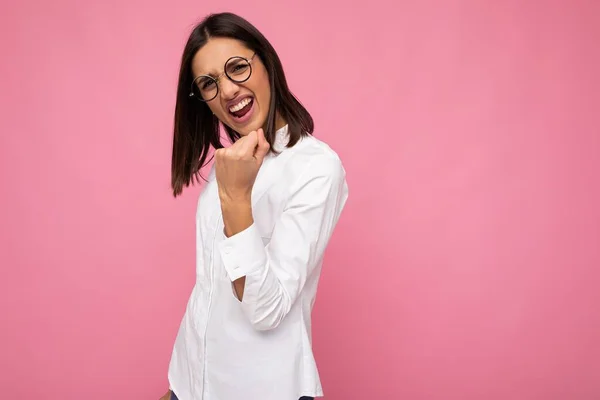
{"x": 238, "y": 69}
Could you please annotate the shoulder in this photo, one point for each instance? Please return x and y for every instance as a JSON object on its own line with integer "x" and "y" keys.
{"x": 316, "y": 159}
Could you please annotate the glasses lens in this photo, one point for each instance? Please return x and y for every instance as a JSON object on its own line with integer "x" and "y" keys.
{"x": 238, "y": 69}
{"x": 205, "y": 88}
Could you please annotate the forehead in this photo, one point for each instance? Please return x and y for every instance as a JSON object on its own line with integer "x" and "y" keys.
{"x": 211, "y": 58}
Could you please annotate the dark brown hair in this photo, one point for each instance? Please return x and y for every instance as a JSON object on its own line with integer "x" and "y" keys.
{"x": 196, "y": 129}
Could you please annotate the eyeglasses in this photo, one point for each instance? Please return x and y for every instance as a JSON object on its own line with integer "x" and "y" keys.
{"x": 238, "y": 69}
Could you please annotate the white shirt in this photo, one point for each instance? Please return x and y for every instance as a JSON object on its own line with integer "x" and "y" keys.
{"x": 260, "y": 348}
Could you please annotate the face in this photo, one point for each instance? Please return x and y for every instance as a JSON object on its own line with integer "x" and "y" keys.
{"x": 243, "y": 106}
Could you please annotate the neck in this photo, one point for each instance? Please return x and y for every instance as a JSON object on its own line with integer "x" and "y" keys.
{"x": 279, "y": 122}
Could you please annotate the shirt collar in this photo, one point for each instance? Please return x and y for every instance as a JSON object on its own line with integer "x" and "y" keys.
{"x": 282, "y": 138}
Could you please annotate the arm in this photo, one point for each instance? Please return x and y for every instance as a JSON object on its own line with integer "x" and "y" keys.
{"x": 274, "y": 276}
{"x": 237, "y": 217}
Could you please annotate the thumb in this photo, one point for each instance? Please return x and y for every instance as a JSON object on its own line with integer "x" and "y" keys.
{"x": 263, "y": 145}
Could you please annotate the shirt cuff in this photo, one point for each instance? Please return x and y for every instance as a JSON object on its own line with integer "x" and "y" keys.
{"x": 243, "y": 253}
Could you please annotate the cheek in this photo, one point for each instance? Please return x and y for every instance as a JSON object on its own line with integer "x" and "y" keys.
{"x": 217, "y": 109}
{"x": 263, "y": 92}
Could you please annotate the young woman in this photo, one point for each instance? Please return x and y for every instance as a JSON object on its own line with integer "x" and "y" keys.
{"x": 263, "y": 222}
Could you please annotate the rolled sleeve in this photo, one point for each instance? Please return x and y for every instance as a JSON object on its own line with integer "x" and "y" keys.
{"x": 243, "y": 253}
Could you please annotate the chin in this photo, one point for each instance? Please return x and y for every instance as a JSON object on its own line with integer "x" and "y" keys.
{"x": 250, "y": 127}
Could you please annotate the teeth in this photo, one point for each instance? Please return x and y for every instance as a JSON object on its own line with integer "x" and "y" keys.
{"x": 240, "y": 105}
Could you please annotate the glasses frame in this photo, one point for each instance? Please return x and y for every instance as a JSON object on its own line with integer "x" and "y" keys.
{"x": 218, "y": 78}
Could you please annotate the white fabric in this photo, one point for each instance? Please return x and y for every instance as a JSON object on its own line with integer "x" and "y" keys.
{"x": 260, "y": 348}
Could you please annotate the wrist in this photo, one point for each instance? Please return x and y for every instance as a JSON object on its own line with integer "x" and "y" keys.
{"x": 235, "y": 203}
{"x": 237, "y": 216}
{"x": 240, "y": 199}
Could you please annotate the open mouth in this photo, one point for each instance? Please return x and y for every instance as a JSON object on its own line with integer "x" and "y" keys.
{"x": 241, "y": 109}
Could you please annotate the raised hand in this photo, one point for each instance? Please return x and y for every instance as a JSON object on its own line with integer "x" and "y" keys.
{"x": 236, "y": 167}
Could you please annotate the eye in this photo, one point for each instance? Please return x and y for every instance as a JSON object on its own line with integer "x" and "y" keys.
{"x": 206, "y": 84}
{"x": 237, "y": 68}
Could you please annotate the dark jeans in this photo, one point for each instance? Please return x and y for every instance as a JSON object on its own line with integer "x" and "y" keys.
{"x": 173, "y": 397}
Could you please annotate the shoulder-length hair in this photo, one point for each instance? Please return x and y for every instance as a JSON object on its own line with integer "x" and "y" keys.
{"x": 196, "y": 129}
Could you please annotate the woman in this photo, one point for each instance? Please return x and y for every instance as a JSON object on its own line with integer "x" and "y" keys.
{"x": 264, "y": 219}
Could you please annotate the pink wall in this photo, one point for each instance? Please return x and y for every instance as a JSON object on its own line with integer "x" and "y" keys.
{"x": 466, "y": 265}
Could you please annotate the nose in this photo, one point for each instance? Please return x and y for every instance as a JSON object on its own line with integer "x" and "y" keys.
{"x": 228, "y": 89}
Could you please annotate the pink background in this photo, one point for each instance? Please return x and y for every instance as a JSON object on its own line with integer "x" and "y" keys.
{"x": 466, "y": 265}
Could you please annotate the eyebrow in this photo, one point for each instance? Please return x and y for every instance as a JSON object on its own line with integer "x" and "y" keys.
{"x": 214, "y": 74}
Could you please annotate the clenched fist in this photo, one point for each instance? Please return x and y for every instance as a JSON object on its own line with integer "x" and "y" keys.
{"x": 236, "y": 167}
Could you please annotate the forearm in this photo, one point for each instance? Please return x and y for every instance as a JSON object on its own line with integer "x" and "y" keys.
{"x": 237, "y": 216}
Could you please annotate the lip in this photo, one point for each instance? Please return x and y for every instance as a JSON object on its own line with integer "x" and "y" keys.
{"x": 244, "y": 120}
{"x": 236, "y": 100}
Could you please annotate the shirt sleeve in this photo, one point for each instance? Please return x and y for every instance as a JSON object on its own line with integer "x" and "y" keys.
{"x": 276, "y": 273}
